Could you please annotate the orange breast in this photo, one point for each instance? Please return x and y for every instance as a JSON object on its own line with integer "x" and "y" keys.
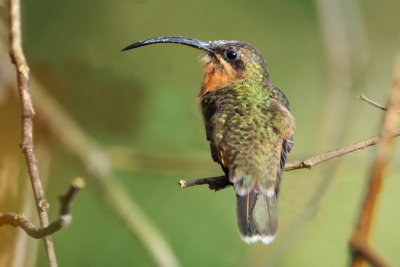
{"x": 217, "y": 75}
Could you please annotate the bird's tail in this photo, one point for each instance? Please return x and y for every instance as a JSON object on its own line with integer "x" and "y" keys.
{"x": 257, "y": 216}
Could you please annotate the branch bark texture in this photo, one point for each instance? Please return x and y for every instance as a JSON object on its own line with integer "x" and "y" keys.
{"x": 27, "y": 113}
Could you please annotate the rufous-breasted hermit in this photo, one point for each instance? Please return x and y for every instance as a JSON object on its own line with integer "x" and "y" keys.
{"x": 249, "y": 126}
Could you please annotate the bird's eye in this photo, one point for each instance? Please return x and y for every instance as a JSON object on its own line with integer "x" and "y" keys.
{"x": 231, "y": 54}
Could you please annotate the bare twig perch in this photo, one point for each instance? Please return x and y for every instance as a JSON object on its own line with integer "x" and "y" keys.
{"x": 214, "y": 183}
{"x": 27, "y": 113}
{"x": 384, "y": 154}
{"x": 62, "y": 221}
{"x": 221, "y": 182}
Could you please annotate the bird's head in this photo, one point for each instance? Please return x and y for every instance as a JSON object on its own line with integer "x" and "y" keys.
{"x": 226, "y": 62}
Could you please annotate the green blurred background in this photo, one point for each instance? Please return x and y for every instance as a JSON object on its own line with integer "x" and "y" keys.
{"x": 140, "y": 107}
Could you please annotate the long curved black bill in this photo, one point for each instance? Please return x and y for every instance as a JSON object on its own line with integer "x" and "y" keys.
{"x": 206, "y": 46}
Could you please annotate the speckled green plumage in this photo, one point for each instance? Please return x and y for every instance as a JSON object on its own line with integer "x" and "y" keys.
{"x": 250, "y": 129}
{"x": 244, "y": 123}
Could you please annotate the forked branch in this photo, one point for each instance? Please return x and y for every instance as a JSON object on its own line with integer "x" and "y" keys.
{"x": 363, "y": 251}
{"x": 65, "y": 218}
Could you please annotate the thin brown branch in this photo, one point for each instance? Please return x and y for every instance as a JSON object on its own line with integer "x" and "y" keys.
{"x": 384, "y": 154}
{"x": 362, "y": 250}
{"x": 27, "y": 113}
{"x": 25, "y": 249}
{"x": 221, "y": 182}
{"x": 214, "y": 183}
{"x": 97, "y": 162}
{"x": 333, "y": 154}
{"x": 65, "y": 218}
{"x": 373, "y": 103}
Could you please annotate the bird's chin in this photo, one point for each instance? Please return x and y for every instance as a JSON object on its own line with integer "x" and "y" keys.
{"x": 210, "y": 58}
{"x": 206, "y": 58}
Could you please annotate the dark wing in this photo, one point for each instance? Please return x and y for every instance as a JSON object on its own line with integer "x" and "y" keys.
{"x": 209, "y": 108}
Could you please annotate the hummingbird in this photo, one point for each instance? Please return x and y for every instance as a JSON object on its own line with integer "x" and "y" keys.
{"x": 249, "y": 127}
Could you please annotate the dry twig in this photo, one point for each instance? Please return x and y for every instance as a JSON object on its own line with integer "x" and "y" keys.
{"x": 221, "y": 182}
{"x": 65, "y": 218}
{"x": 97, "y": 162}
{"x": 27, "y": 113}
{"x": 383, "y": 156}
{"x": 373, "y": 103}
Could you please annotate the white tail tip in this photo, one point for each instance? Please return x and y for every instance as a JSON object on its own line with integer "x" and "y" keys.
{"x": 267, "y": 239}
